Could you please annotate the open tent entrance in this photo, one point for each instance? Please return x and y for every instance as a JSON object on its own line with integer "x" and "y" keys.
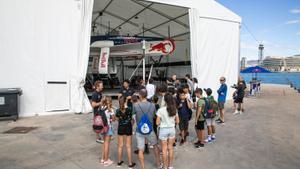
{"x": 128, "y": 31}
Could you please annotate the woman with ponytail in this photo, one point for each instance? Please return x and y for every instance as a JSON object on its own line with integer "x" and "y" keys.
{"x": 167, "y": 117}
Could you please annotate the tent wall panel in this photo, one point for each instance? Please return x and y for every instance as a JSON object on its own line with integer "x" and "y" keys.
{"x": 214, "y": 50}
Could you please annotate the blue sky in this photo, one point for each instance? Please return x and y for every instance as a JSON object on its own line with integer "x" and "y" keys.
{"x": 275, "y": 23}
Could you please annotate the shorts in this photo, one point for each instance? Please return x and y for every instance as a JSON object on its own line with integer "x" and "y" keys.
{"x": 200, "y": 125}
{"x": 167, "y": 133}
{"x": 109, "y": 133}
{"x": 210, "y": 122}
{"x": 221, "y": 105}
{"x": 239, "y": 100}
{"x": 183, "y": 124}
{"x": 125, "y": 130}
{"x": 140, "y": 139}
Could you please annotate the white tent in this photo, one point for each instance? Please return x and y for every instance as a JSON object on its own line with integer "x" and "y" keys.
{"x": 44, "y": 44}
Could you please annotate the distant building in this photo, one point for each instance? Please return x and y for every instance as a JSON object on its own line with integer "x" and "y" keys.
{"x": 292, "y": 64}
{"x": 243, "y": 63}
{"x": 281, "y": 64}
{"x": 250, "y": 63}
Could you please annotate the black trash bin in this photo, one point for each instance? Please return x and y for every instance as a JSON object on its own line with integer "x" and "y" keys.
{"x": 9, "y": 103}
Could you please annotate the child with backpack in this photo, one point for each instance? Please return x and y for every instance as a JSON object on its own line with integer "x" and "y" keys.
{"x": 143, "y": 112}
{"x": 200, "y": 119}
{"x": 210, "y": 113}
{"x": 124, "y": 117}
{"x": 184, "y": 106}
{"x": 109, "y": 117}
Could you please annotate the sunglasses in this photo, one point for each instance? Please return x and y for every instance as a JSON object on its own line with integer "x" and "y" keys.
{"x": 222, "y": 80}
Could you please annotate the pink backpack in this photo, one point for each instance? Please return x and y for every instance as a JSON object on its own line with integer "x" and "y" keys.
{"x": 100, "y": 122}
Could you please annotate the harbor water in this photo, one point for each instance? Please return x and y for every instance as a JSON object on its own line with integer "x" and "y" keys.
{"x": 275, "y": 78}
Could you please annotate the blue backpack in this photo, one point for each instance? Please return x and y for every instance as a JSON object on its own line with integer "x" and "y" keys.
{"x": 144, "y": 126}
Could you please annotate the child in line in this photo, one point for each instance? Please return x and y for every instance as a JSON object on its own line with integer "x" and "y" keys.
{"x": 124, "y": 117}
{"x": 110, "y": 116}
{"x": 183, "y": 105}
{"x": 167, "y": 117}
{"x": 200, "y": 119}
{"x": 212, "y": 108}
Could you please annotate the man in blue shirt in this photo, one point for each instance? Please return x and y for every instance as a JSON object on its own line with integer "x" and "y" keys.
{"x": 222, "y": 92}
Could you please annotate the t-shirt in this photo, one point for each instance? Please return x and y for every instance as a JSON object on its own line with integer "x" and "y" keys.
{"x": 143, "y": 107}
{"x": 96, "y": 97}
{"x": 201, "y": 103}
{"x": 109, "y": 115}
{"x": 183, "y": 109}
{"x": 125, "y": 93}
{"x": 150, "y": 90}
{"x": 222, "y": 92}
{"x": 165, "y": 120}
{"x": 124, "y": 117}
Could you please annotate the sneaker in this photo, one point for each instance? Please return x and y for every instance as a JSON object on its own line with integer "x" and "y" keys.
{"x": 119, "y": 164}
{"x": 131, "y": 165}
{"x": 218, "y": 120}
{"x": 181, "y": 142}
{"x": 197, "y": 143}
{"x": 236, "y": 112}
{"x": 213, "y": 138}
{"x": 101, "y": 161}
{"x": 108, "y": 163}
{"x": 208, "y": 140}
{"x": 200, "y": 145}
{"x": 100, "y": 141}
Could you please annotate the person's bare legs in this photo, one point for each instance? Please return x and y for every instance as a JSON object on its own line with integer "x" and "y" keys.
{"x": 120, "y": 147}
{"x": 106, "y": 148}
{"x": 171, "y": 152}
{"x": 164, "y": 144}
{"x": 213, "y": 130}
{"x": 202, "y": 136}
{"x": 182, "y": 134}
{"x": 156, "y": 153}
{"x": 209, "y": 130}
{"x": 141, "y": 158}
{"x": 222, "y": 114}
{"x": 128, "y": 146}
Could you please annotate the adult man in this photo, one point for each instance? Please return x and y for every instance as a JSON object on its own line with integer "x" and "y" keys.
{"x": 126, "y": 92}
{"x": 172, "y": 82}
{"x": 96, "y": 103}
{"x": 222, "y": 92}
{"x": 190, "y": 83}
{"x": 139, "y": 109}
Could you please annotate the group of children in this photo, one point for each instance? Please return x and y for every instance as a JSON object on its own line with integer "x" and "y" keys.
{"x": 171, "y": 109}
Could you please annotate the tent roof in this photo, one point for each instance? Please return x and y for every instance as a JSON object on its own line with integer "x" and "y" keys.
{"x": 255, "y": 69}
{"x": 160, "y": 18}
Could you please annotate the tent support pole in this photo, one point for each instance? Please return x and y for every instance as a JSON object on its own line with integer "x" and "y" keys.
{"x": 135, "y": 69}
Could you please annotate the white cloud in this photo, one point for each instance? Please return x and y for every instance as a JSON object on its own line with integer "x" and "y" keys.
{"x": 295, "y": 11}
{"x": 292, "y": 22}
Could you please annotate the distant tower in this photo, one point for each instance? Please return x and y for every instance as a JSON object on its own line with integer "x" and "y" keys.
{"x": 243, "y": 63}
{"x": 260, "y": 53}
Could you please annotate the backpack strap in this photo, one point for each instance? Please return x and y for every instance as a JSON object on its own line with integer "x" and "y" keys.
{"x": 142, "y": 109}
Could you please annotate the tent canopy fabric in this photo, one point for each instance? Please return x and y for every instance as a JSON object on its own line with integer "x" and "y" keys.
{"x": 153, "y": 16}
{"x": 255, "y": 69}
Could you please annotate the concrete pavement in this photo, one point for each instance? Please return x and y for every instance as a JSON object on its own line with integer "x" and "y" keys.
{"x": 266, "y": 136}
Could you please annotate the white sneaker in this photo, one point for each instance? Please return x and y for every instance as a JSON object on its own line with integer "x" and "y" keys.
{"x": 236, "y": 112}
{"x": 213, "y": 138}
{"x": 208, "y": 140}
